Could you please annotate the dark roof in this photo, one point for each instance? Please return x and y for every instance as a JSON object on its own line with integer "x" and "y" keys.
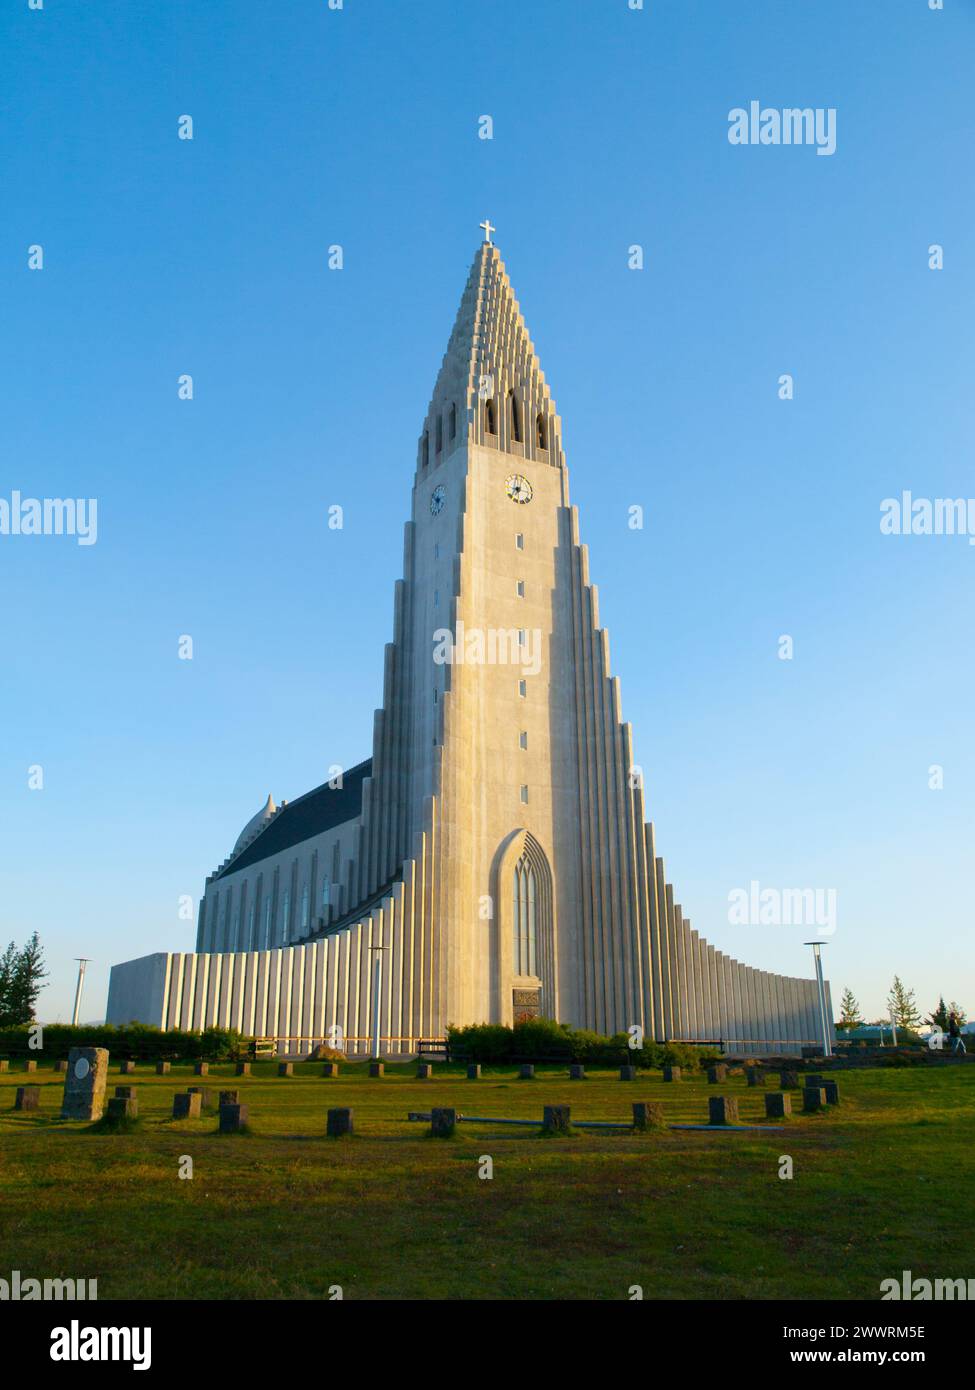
{"x": 316, "y": 811}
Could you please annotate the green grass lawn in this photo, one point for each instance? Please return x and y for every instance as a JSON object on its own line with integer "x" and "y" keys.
{"x": 882, "y": 1183}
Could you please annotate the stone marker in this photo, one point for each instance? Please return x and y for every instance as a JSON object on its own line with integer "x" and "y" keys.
{"x": 28, "y": 1098}
{"x": 4, "y": 1064}
{"x": 286, "y": 1069}
{"x": 647, "y": 1114}
{"x": 84, "y": 1084}
{"x": 627, "y": 1073}
{"x": 229, "y": 1097}
{"x": 201, "y": 1069}
{"x": 30, "y": 1065}
{"x": 125, "y": 1093}
{"x": 443, "y": 1122}
{"x": 671, "y": 1073}
{"x": 789, "y": 1080}
{"x": 424, "y": 1071}
{"x": 832, "y": 1092}
{"x": 556, "y": 1119}
{"x": 61, "y": 1064}
{"x": 717, "y": 1074}
{"x": 186, "y": 1105}
{"x": 755, "y": 1076}
{"x": 527, "y": 1071}
{"x": 777, "y": 1105}
{"x": 243, "y": 1069}
{"x": 577, "y": 1072}
{"x": 205, "y": 1094}
{"x": 163, "y": 1068}
{"x": 474, "y": 1071}
{"x": 123, "y": 1108}
{"x": 339, "y": 1123}
{"x": 233, "y": 1118}
{"x": 375, "y": 1069}
{"x": 127, "y": 1068}
{"x": 813, "y": 1098}
{"x": 722, "y": 1110}
{"x": 330, "y": 1069}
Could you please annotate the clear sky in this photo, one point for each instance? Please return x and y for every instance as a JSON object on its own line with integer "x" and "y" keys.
{"x": 359, "y": 127}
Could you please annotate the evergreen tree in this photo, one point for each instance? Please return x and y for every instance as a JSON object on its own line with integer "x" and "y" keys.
{"x": 8, "y": 962}
{"x": 21, "y": 973}
{"x": 903, "y": 1007}
{"x": 939, "y": 1019}
{"x": 850, "y": 1016}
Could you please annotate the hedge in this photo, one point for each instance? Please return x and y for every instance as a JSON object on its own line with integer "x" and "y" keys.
{"x": 130, "y": 1042}
{"x": 544, "y": 1040}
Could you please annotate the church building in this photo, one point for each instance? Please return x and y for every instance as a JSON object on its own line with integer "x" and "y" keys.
{"x": 493, "y": 854}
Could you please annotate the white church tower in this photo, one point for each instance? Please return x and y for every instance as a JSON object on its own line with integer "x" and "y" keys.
{"x": 496, "y": 845}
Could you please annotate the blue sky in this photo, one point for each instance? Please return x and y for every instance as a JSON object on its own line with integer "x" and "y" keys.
{"x": 360, "y": 127}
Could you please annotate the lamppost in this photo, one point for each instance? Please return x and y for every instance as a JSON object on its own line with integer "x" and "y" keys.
{"x": 824, "y": 1021}
{"x": 82, "y": 962}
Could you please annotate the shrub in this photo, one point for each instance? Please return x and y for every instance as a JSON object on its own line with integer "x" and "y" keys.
{"x": 131, "y": 1040}
{"x": 545, "y": 1040}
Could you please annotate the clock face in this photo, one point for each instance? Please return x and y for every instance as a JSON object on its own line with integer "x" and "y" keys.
{"x": 518, "y": 488}
{"x": 437, "y": 499}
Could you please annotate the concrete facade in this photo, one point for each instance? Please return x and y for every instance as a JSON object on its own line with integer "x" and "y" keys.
{"x": 496, "y": 845}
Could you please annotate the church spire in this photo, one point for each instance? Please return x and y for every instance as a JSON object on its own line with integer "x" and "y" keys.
{"x": 490, "y": 390}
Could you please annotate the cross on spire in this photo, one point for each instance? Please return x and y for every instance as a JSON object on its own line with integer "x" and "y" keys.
{"x": 488, "y": 229}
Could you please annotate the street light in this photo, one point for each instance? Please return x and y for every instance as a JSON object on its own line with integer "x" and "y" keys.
{"x": 824, "y": 1022}
{"x": 82, "y": 962}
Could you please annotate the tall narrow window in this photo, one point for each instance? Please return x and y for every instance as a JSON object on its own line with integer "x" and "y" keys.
{"x": 425, "y": 449}
{"x": 541, "y": 434}
{"x": 453, "y": 421}
{"x": 515, "y": 419}
{"x": 304, "y": 908}
{"x": 525, "y": 920}
{"x": 489, "y": 421}
{"x": 524, "y": 795}
{"x": 325, "y": 891}
{"x": 285, "y": 915}
{"x": 523, "y": 739}
{"x": 439, "y": 433}
{"x": 267, "y": 923}
{"x": 523, "y": 689}
{"x": 250, "y": 926}
{"x": 519, "y": 541}
{"x": 520, "y": 588}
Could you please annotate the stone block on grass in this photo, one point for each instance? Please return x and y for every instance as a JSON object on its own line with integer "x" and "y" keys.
{"x": 233, "y": 1118}
{"x": 424, "y": 1071}
{"x": 755, "y": 1076}
{"x": 717, "y": 1074}
{"x": 443, "y": 1122}
{"x": 647, "y": 1115}
{"x": 338, "y": 1122}
{"x": 832, "y": 1092}
{"x": 376, "y": 1069}
{"x": 125, "y": 1093}
{"x": 243, "y": 1069}
{"x": 85, "y": 1082}
{"x": 229, "y": 1097}
{"x": 30, "y": 1065}
{"x": 526, "y": 1072}
{"x": 61, "y": 1064}
{"x": 778, "y": 1105}
{"x": 627, "y": 1073}
{"x": 556, "y": 1119}
{"x": 186, "y": 1105}
{"x": 163, "y": 1068}
{"x": 27, "y": 1098}
{"x": 286, "y": 1069}
{"x": 722, "y": 1110}
{"x": 127, "y": 1068}
{"x": 789, "y": 1080}
{"x": 4, "y": 1064}
{"x": 205, "y": 1094}
{"x": 201, "y": 1069}
{"x": 474, "y": 1071}
{"x": 330, "y": 1069}
{"x": 813, "y": 1099}
{"x": 577, "y": 1072}
{"x": 671, "y": 1073}
{"x": 123, "y": 1108}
